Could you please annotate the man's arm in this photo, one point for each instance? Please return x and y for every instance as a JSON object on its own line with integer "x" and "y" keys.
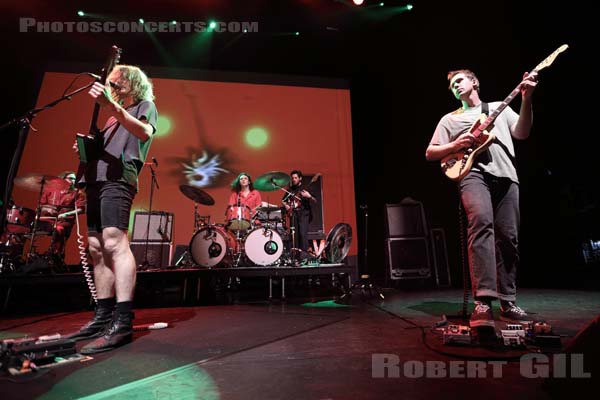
{"x": 438, "y": 151}
{"x": 522, "y": 128}
{"x": 139, "y": 128}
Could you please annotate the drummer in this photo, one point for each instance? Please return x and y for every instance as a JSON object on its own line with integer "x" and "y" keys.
{"x": 58, "y": 200}
{"x": 243, "y": 201}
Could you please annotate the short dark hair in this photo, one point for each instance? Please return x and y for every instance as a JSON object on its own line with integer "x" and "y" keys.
{"x": 297, "y": 172}
{"x": 468, "y": 73}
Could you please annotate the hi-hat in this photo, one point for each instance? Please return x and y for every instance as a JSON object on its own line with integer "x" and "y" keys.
{"x": 197, "y": 195}
{"x": 271, "y": 181}
{"x": 34, "y": 182}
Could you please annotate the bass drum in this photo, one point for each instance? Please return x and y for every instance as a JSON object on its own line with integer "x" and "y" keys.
{"x": 211, "y": 245}
{"x": 263, "y": 246}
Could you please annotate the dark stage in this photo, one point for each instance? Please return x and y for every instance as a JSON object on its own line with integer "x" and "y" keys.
{"x": 313, "y": 350}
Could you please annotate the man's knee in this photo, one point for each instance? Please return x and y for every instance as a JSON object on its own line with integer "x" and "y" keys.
{"x": 114, "y": 240}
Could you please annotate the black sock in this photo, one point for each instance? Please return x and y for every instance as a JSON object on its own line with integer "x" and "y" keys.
{"x": 124, "y": 307}
{"x": 108, "y": 303}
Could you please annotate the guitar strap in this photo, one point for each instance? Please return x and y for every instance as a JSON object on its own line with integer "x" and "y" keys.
{"x": 485, "y": 108}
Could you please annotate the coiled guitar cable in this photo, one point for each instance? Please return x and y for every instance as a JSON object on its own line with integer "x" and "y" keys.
{"x": 83, "y": 255}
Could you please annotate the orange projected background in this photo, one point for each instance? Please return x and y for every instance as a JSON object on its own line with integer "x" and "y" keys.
{"x": 219, "y": 129}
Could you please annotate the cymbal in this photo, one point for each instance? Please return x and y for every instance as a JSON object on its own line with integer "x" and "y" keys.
{"x": 197, "y": 195}
{"x": 34, "y": 182}
{"x": 271, "y": 181}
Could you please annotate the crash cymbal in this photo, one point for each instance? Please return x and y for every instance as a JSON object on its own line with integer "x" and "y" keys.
{"x": 197, "y": 195}
{"x": 271, "y": 181}
{"x": 34, "y": 182}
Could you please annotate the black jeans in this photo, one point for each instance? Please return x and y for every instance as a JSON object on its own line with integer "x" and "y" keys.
{"x": 301, "y": 222}
{"x": 492, "y": 208}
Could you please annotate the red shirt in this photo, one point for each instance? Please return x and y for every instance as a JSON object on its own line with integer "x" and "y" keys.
{"x": 252, "y": 200}
{"x": 63, "y": 200}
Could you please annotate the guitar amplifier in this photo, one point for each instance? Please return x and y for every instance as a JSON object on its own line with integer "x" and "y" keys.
{"x": 157, "y": 256}
{"x": 408, "y": 258}
{"x": 158, "y": 229}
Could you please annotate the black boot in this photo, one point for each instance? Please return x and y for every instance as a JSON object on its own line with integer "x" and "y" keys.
{"x": 103, "y": 316}
{"x": 120, "y": 333}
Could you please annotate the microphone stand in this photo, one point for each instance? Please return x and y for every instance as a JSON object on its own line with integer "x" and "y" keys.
{"x": 364, "y": 283}
{"x": 24, "y": 123}
{"x": 154, "y": 182}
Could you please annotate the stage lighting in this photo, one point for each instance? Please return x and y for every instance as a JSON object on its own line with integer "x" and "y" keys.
{"x": 358, "y": 2}
{"x": 81, "y": 13}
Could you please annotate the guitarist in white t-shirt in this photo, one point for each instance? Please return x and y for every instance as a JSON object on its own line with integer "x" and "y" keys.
{"x": 489, "y": 190}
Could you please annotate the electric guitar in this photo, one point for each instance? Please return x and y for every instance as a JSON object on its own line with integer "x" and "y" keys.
{"x": 457, "y": 165}
{"x": 295, "y": 200}
{"x": 90, "y": 147}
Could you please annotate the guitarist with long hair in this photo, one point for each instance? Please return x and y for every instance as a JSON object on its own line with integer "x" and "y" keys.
{"x": 111, "y": 182}
{"x": 489, "y": 191}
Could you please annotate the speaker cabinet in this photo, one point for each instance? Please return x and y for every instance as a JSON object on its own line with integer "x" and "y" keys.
{"x": 158, "y": 256}
{"x": 159, "y": 230}
{"x": 408, "y": 258}
{"x": 316, "y": 230}
{"x": 405, "y": 219}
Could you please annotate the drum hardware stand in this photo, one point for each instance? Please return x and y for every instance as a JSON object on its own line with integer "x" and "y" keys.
{"x": 153, "y": 182}
{"x": 38, "y": 211}
{"x": 364, "y": 283}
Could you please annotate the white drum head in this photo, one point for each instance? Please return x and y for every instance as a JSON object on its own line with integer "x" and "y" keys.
{"x": 263, "y": 246}
{"x": 208, "y": 246}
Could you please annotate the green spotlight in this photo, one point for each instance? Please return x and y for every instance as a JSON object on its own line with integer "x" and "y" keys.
{"x": 409, "y": 7}
{"x": 81, "y": 13}
{"x": 212, "y": 25}
{"x": 382, "y": 4}
{"x": 141, "y": 20}
{"x": 173, "y": 22}
{"x": 257, "y": 137}
{"x": 297, "y": 33}
{"x": 163, "y": 126}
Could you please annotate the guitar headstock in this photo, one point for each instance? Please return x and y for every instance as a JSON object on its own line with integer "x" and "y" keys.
{"x": 550, "y": 59}
{"x": 315, "y": 177}
{"x": 114, "y": 57}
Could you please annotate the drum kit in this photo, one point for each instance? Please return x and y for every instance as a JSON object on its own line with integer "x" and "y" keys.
{"x": 258, "y": 237}
{"x": 24, "y": 223}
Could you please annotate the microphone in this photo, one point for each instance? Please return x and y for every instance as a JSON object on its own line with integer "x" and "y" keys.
{"x": 98, "y": 78}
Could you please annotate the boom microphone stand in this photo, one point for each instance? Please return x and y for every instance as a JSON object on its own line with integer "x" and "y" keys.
{"x": 154, "y": 182}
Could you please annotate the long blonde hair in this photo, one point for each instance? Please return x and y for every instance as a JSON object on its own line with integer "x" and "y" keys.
{"x": 141, "y": 86}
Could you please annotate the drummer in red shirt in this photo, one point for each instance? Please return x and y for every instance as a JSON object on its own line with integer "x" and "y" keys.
{"x": 56, "y": 201}
{"x": 242, "y": 203}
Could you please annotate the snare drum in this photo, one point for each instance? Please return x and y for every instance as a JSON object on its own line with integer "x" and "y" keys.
{"x": 211, "y": 245}
{"x": 19, "y": 219}
{"x": 238, "y": 218}
{"x": 263, "y": 246}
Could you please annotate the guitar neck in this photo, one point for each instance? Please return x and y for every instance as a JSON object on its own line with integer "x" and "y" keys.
{"x": 492, "y": 117}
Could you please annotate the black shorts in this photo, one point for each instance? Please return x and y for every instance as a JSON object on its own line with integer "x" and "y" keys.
{"x": 108, "y": 205}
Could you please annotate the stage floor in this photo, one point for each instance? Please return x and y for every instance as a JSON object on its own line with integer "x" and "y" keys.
{"x": 293, "y": 350}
